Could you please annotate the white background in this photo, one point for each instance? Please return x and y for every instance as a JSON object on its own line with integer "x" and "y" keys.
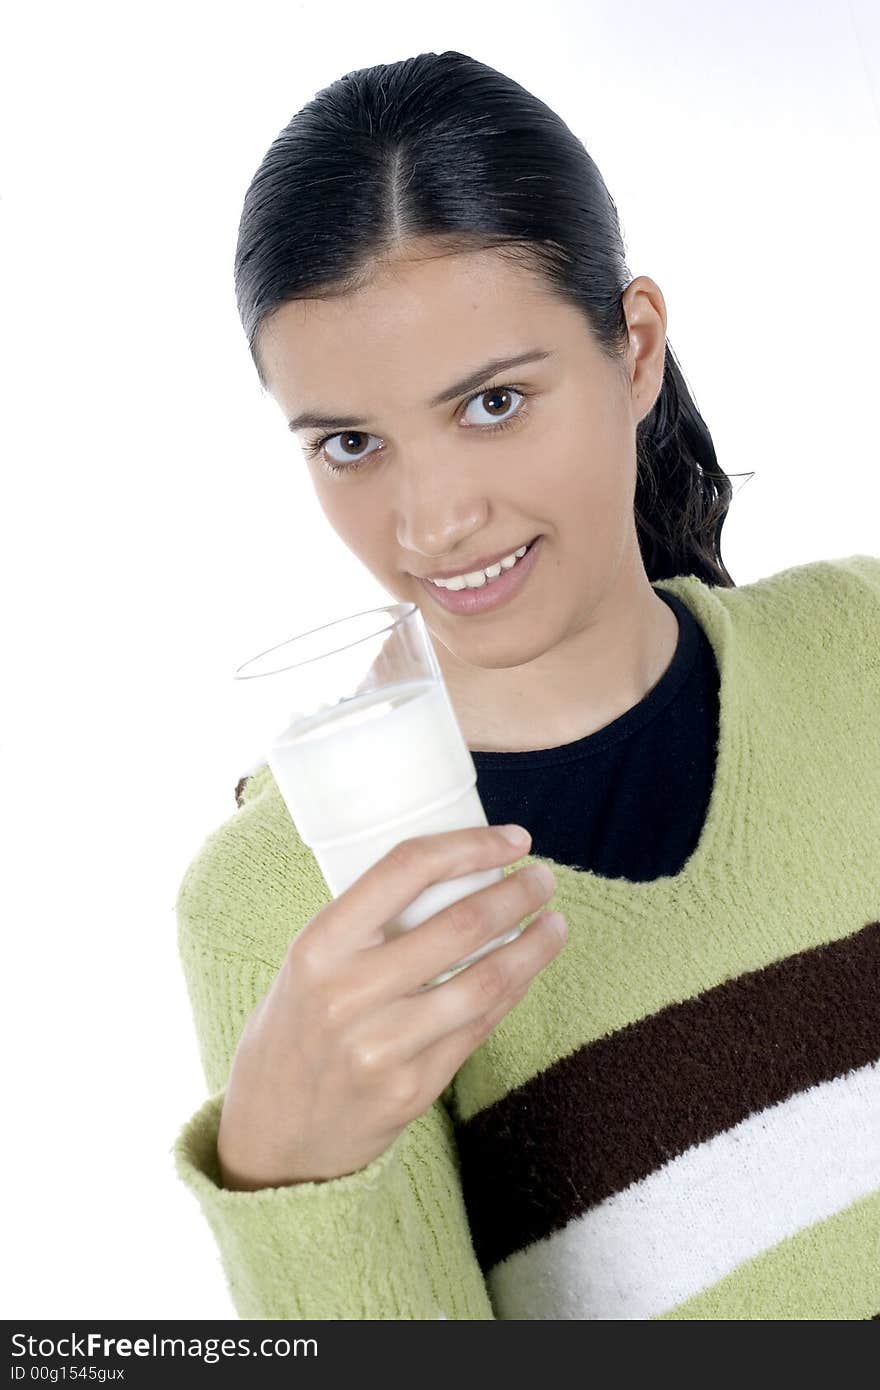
{"x": 160, "y": 526}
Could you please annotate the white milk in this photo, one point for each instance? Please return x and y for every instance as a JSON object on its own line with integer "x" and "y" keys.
{"x": 375, "y": 770}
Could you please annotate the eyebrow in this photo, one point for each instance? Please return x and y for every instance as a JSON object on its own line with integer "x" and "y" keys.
{"x": 325, "y": 420}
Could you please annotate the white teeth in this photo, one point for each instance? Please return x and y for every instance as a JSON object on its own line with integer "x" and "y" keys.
{"x": 478, "y": 578}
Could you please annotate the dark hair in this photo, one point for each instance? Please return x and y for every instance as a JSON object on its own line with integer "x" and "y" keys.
{"x": 442, "y": 148}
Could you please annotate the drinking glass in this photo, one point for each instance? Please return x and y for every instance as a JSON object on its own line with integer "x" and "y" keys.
{"x": 372, "y": 753}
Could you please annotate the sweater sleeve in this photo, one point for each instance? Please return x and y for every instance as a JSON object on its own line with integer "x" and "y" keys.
{"x": 390, "y": 1241}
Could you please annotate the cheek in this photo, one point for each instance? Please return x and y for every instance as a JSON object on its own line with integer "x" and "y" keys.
{"x": 589, "y": 477}
{"x": 590, "y": 496}
{"x": 362, "y": 525}
{"x": 340, "y": 508}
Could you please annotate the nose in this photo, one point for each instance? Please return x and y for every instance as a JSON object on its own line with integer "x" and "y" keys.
{"x": 436, "y": 522}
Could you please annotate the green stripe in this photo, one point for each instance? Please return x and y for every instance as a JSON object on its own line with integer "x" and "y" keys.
{"x": 827, "y": 1271}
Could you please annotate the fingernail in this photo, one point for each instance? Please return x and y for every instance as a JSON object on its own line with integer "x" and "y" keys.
{"x": 515, "y": 834}
{"x": 543, "y": 876}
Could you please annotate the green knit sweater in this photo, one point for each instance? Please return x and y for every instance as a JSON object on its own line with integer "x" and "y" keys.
{"x": 681, "y": 1119}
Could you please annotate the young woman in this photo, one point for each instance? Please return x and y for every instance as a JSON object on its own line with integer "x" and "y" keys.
{"x": 665, "y": 1105}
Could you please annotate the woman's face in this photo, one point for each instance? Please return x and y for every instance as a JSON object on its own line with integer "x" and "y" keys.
{"x": 431, "y": 484}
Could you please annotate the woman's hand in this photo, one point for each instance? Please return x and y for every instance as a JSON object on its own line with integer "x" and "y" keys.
{"x": 345, "y": 1048}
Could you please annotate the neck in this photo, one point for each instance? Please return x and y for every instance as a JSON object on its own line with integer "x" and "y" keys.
{"x": 588, "y": 679}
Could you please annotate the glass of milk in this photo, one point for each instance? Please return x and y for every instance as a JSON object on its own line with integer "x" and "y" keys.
{"x": 371, "y": 753}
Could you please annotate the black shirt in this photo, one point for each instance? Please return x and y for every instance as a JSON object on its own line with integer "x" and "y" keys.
{"x": 629, "y": 800}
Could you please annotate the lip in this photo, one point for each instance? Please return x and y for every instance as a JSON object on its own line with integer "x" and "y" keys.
{"x": 491, "y": 594}
{"x": 483, "y": 563}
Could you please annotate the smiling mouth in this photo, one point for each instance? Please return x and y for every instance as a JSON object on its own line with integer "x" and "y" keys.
{"x": 492, "y": 593}
{"x": 428, "y": 579}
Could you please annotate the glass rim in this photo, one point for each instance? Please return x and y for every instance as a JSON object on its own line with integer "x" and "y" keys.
{"x": 408, "y": 607}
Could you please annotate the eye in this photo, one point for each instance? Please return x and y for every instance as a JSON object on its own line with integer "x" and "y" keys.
{"x": 350, "y": 454}
{"x": 495, "y": 415}
{"x": 350, "y": 458}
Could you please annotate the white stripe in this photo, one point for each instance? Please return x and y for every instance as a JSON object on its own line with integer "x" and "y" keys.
{"x": 685, "y": 1226}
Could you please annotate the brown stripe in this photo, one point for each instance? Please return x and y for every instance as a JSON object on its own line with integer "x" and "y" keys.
{"x": 616, "y": 1109}
{"x": 239, "y": 788}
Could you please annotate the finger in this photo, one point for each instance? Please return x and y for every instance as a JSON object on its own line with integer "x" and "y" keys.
{"x": 358, "y": 916}
{"x": 444, "y": 1025}
{"x": 457, "y": 932}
